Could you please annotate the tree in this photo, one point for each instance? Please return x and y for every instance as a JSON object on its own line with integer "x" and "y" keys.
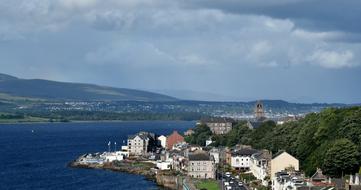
{"x": 341, "y": 158}
{"x": 200, "y": 135}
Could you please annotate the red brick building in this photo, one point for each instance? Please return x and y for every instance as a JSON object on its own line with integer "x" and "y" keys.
{"x": 174, "y": 138}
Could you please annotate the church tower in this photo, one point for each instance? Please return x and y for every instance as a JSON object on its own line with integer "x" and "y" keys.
{"x": 259, "y": 112}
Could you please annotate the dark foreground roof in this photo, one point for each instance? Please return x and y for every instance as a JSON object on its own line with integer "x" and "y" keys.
{"x": 255, "y": 124}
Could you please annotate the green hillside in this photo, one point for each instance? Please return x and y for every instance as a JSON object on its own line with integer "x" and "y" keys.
{"x": 330, "y": 140}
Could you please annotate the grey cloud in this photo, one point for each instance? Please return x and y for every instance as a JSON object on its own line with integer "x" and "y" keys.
{"x": 239, "y": 48}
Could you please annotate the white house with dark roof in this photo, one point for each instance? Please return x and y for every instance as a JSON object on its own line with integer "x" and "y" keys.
{"x": 241, "y": 159}
{"x": 260, "y": 165}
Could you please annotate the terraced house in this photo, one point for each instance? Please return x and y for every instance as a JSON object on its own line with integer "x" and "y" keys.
{"x": 201, "y": 165}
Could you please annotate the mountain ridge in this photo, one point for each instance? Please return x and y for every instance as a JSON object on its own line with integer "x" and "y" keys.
{"x": 55, "y": 90}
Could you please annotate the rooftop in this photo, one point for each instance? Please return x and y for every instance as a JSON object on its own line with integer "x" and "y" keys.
{"x": 198, "y": 156}
{"x": 244, "y": 151}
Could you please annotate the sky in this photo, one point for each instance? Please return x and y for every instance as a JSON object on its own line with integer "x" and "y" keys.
{"x": 229, "y": 50}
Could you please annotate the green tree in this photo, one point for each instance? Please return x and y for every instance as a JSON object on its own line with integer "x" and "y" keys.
{"x": 200, "y": 135}
{"x": 341, "y": 158}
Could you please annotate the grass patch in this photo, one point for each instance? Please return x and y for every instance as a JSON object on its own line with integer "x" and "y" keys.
{"x": 208, "y": 185}
{"x": 26, "y": 119}
{"x": 247, "y": 176}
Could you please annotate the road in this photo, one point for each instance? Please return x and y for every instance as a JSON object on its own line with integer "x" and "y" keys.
{"x": 229, "y": 182}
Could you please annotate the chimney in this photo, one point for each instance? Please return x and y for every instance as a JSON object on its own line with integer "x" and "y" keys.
{"x": 351, "y": 180}
{"x": 357, "y": 179}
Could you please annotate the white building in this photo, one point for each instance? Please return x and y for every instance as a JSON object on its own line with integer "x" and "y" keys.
{"x": 164, "y": 165}
{"x": 114, "y": 156}
{"x": 285, "y": 181}
{"x": 260, "y": 166}
{"x": 162, "y": 141}
{"x": 241, "y": 159}
{"x": 215, "y": 153}
{"x": 91, "y": 159}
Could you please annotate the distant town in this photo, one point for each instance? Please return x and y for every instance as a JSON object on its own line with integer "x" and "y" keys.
{"x": 193, "y": 160}
{"x": 62, "y": 111}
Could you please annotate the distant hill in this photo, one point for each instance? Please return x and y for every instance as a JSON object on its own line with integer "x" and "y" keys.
{"x": 12, "y": 87}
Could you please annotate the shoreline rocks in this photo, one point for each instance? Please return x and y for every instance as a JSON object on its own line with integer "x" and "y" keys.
{"x": 164, "y": 179}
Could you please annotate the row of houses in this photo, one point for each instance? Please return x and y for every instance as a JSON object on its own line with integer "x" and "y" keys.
{"x": 280, "y": 171}
{"x": 201, "y": 162}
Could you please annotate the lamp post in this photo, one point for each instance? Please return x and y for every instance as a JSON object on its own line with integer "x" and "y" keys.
{"x": 109, "y": 146}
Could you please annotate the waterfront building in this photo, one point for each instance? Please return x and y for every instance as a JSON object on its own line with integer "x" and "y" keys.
{"x": 91, "y": 159}
{"x": 114, "y": 156}
{"x": 282, "y": 161}
{"x": 141, "y": 143}
{"x": 201, "y": 165}
{"x": 173, "y": 139}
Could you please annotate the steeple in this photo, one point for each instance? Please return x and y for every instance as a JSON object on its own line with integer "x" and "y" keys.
{"x": 259, "y": 112}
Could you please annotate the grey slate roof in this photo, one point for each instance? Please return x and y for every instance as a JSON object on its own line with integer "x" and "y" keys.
{"x": 199, "y": 156}
{"x": 318, "y": 175}
{"x": 142, "y": 135}
{"x": 244, "y": 152}
{"x": 278, "y": 153}
{"x": 262, "y": 155}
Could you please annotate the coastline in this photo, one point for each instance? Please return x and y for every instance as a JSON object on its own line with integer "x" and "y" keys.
{"x": 82, "y": 121}
{"x": 164, "y": 180}
{"x": 126, "y": 166}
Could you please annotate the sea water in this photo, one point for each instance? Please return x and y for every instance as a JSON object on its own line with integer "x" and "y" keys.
{"x": 35, "y": 156}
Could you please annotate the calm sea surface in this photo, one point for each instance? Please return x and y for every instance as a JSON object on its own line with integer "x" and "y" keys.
{"x": 38, "y": 160}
